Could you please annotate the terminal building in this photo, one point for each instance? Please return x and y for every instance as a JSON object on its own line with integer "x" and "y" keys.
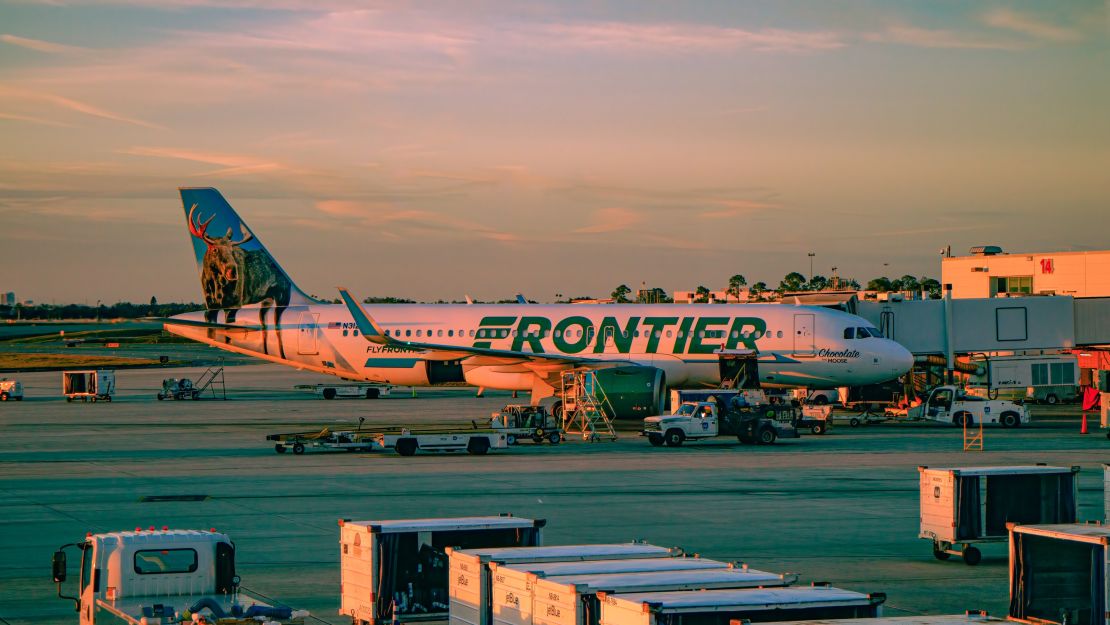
{"x": 990, "y": 272}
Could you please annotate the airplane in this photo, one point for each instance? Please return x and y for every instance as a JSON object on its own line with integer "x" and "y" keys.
{"x": 637, "y": 351}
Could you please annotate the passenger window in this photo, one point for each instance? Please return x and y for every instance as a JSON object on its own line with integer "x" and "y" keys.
{"x": 408, "y": 332}
{"x": 439, "y": 332}
{"x": 658, "y": 334}
{"x": 355, "y": 331}
{"x": 450, "y": 333}
{"x": 780, "y": 334}
{"x": 344, "y": 333}
{"x": 668, "y": 334}
{"x": 419, "y": 333}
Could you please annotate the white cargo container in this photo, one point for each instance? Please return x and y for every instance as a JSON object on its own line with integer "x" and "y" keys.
{"x": 518, "y": 579}
{"x": 717, "y": 607}
{"x": 1058, "y": 574}
{"x": 965, "y": 505}
{"x": 403, "y": 563}
{"x": 976, "y": 617}
{"x": 471, "y": 580}
{"x": 572, "y": 599}
{"x": 89, "y": 385}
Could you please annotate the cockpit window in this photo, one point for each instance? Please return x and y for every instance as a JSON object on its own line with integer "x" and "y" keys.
{"x": 849, "y": 333}
{"x": 875, "y": 332}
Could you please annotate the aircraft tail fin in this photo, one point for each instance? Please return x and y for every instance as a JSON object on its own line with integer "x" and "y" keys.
{"x": 235, "y": 268}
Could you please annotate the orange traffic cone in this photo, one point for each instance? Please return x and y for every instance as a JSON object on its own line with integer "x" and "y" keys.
{"x": 1083, "y": 428}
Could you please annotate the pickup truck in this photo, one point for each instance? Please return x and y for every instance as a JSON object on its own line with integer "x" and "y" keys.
{"x": 700, "y": 420}
{"x": 948, "y": 404}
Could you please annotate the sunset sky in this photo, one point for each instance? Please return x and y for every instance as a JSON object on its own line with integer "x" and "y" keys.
{"x": 430, "y": 150}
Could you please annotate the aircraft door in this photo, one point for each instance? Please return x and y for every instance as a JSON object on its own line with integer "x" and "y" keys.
{"x": 306, "y": 334}
{"x": 804, "y": 338}
{"x": 739, "y": 371}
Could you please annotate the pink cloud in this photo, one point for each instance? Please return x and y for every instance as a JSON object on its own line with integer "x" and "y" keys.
{"x": 687, "y": 38}
{"x": 1027, "y": 25}
{"x": 39, "y": 45}
{"x": 611, "y": 220}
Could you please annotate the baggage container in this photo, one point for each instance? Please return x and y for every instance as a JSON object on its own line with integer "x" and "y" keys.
{"x": 719, "y": 607}
{"x": 93, "y": 385}
{"x": 403, "y": 563}
{"x": 973, "y": 617}
{"x": 1106, "y": 492}
{"x": 471, "y": 580}
{"x": 572, "y": 600}
{"x": 1058, "y": 574}
{"x": 519, "y": 578}
{"x": 965, "y": 505}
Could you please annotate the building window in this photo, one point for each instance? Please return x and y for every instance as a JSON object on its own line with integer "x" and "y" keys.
{"x": 1017, "y": 285}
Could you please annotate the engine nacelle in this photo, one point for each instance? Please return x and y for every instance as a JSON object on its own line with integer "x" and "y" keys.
{"x": 634, "y": 392}
{"x": 494, "y": 376}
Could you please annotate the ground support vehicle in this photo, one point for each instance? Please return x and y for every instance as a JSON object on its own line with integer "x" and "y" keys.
{"x": 965, "y": 506}
{"x": 346, "y": 391}
{"x": 522, "y": 422}
{"x": 11, "y": 389}
{"x": 173, "y": 388}
{"x": 89, "y": 385}
{"x": 948, "y": 404}
{"x": 1059, "y": 574}
{"x": 407, "y": 442}
{"x": 816, "y": 419}
{"x": 700, "y": 420}
{"x": 149, "y": 577}
{"x": 396, "y": 571}
{"x": 323, "y": 439}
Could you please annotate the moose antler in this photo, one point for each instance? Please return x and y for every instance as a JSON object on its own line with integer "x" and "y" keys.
{"x": 247, "y": 235}
{"x": 197, "y": 228}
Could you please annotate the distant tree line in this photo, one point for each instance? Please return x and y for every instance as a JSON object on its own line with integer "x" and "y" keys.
{"x": 119, "y": 310}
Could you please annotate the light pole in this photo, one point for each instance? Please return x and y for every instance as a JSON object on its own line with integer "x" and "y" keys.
{"x": 811, "y": 255}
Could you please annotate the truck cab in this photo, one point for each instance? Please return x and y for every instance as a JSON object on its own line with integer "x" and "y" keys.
{"x": 154, "y": 577}
{"x": 948, "y": 404}
{"x": 695, "y": 420}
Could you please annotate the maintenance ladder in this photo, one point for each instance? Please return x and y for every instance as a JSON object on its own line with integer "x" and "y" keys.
{"x": 213, "y": 378}
{"x": 584, "y": 407}
{"x": 973, "y": 435}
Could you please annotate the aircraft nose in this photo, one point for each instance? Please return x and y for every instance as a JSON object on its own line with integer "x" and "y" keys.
{"x": 901, "y": 360}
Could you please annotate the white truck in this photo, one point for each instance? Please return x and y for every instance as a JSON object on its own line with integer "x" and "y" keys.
{"x": 346, "y": 391}
{"x": 159, "y": 577}
{"x": 949, "y": 404}
{"x": 1042, "y": 378}
{"x": 700, "y": 420}
{"x": 11, "y": 389}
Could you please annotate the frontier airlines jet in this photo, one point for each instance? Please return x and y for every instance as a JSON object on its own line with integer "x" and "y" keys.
{"x": 254, "y": 308}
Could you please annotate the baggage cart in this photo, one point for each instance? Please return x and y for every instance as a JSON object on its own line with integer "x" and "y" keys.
{"x": 520, "y": 578}
{"x": 91, "y": 385}
{"x": 971, "y": 617}
{"x": 718, "y": 607}
{"x": 572, "y": 600}
{"x": 964, "y": 506}
{"x": 403, "y": 563}
{"x": 471, "y": 579}
{"x": 1058, "y": 574}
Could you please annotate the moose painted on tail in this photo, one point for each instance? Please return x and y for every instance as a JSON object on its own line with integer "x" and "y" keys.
{"x": 233, "y": 277}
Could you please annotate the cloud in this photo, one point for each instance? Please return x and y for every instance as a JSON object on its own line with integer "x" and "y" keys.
{"x": 736, "y": 208}
{"x": 74, "y": 105}
{"x": 626, "y": 36}
{"x": 413, "y": 222}
{"x": 39, "y": 45}
{"x": 232, "y": 164}
{"x": 1027, "y": 25}
{"x": 34, "y": 120}
{"x": 611, "y": 220}
{"x": 941, "y": 38}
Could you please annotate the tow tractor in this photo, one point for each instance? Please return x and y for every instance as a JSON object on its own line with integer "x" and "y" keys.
{"x": 522, "y": 422}
{"x": 11, "y": 389}
{"x": 948, "y": 404}
{"x": 405, "y": 441}
{"x": 151, "y": 577}
{"x": 699, "y": 420}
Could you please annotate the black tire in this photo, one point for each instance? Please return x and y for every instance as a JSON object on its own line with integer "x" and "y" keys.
{"x": 373, "y": 393}
{"x": 941, "y": 555}
{"x": 1010, "y": 420}
{"x": 1051, "y": 399}
{"x": 554, "y": 438}
{"x": 3, "y": 397}
{"x": 161, "y": 397}
{"x": 69, "y": 399}
{"x": 510, "y": 439}
{"x": 20, "y": 398}
{"x": 972, "y": 556}
{"x": 196, "y": 395}
{"x": 820, "y": 400}
{"x": 279, "y": 448}
{"x": 961, "y": 419}
{"x": 766, "y": 435}
{"x": 298, "y": 449}
{"x": 406, "y": 446}
{"x": 478, "y": 446}
{"x": 108, "y": 398}
{"x": 329, "y": 393}
{"x": 656, "y": 440}
{"x": 854, "y": 422}
{"x": 818, "y": 428}
{"x": 674, "y": 437}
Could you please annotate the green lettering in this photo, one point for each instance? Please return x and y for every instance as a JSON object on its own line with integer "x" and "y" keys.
{"x": 560, "y": 335}
{"x": 683, "y": 332}
{"x": 526, "y": 334}
{"x": 491, "y": 322}
{"x": 740, "y": 325}
{"x": 696, "y": 345}
{"x": 621, "y": 339}
{"x": 655, "y": 331}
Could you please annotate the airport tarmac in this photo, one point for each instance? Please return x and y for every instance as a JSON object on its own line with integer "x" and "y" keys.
{"x": 841, "y": 508}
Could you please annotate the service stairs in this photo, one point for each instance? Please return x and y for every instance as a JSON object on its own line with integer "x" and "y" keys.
{"x": 584, "y": 407}
{"x": 213, "y": 378}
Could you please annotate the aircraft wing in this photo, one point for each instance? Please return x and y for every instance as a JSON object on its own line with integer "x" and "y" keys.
{"x": 204, "y": 324}
{"x": 372, "y": 332}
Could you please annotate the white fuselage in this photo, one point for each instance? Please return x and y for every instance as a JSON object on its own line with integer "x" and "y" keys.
{"x": 796, "y": 345}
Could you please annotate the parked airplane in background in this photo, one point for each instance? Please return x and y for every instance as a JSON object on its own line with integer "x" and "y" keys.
{"x": 254, "y": 308}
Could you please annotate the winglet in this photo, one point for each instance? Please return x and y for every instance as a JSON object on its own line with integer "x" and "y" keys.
{"x": 369, "y": 329}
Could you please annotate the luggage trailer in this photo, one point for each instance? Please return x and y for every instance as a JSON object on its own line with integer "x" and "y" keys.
{"x": 721, "y": 607}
